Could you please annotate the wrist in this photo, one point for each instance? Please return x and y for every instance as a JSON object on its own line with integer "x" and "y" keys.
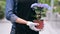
{"x": 28, "y": 23}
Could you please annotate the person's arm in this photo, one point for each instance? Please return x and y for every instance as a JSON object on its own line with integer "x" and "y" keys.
{"x": 10, "y": 15}
{"x": 13, "y": 18}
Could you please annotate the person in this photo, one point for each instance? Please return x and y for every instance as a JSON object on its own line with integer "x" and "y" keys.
{"x": 20, "y": 14}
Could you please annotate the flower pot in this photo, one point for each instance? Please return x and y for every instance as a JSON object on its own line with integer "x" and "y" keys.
{"x": 41, "y": 24}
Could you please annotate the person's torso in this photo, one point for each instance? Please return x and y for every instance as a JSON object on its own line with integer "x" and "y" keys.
{"x": 24, "y": 9}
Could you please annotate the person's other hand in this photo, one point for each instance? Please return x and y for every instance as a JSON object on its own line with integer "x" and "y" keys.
{"x": 32, "y": 26}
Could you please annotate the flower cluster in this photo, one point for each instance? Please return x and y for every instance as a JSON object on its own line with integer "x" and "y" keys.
{"x": 40, "y": 5}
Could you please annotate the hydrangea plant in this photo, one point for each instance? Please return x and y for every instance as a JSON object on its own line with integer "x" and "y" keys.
{"x": 38, "y": 7}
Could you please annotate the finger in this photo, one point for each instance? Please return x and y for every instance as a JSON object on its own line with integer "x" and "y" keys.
{"x": 35, "y": 24}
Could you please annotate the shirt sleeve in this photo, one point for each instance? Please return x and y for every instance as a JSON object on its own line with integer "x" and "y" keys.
{"x": 9, "y": 11}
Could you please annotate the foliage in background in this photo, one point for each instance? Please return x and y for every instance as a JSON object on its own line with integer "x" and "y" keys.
{"x": 1, "y": 13}
{"x": 2, "y": 8}
{"x": 2, "y": 4}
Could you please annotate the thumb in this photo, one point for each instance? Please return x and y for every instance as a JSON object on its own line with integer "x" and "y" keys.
{"x": 36, "y": 24}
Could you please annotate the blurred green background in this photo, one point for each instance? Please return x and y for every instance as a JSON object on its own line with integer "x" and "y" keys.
{"x": 2, "y": 8}
{"x": 56, "y": 6}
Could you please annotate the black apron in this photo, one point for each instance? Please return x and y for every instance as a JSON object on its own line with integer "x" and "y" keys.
{"x": 24, "y": 11}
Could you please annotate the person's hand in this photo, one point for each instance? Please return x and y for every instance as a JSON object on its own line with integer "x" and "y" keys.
{"x": 32, "y": 26}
